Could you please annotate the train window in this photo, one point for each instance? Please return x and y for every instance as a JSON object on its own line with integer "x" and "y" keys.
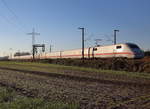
{"x": 133, "y": 46}
{"x": 118, "y": 47}
{"x": 94, "y": 49}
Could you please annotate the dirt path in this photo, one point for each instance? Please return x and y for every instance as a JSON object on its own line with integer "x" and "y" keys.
{"x": 89, "y": 94}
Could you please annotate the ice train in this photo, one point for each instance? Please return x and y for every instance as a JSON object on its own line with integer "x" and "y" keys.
{"x": 125, "y": 50}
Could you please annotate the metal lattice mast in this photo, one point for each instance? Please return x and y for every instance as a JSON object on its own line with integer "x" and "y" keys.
{"x": 33, "y": 33}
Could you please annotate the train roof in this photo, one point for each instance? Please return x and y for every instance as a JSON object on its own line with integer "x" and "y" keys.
{"x": 128, "y": 43}
{"x": 115, "y": 44}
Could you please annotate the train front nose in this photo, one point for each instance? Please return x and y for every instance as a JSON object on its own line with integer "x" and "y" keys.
{"x": 138, "y": 53}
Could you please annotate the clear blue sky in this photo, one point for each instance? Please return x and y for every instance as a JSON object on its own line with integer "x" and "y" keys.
{"x": 57, "y": 22}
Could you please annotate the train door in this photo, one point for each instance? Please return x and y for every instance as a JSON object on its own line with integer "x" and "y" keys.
{"x": 93, "y": 52}
{"x": 89, "y": 52}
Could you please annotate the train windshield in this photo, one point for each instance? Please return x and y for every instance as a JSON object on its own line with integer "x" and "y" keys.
{"x": 133, "y": 46}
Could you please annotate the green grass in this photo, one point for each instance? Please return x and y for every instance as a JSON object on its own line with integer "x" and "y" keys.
{"x": 26, "y": 103}
{"x": 54, "y": 69}
{"x": 10, "y": 100}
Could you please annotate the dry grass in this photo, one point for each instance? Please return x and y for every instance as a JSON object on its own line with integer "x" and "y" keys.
{"x": 87, "y": 94}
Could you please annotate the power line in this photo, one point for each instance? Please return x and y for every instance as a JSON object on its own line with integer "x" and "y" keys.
{"x": 11, "y": 11}
{"x": 11, "y": 23}
{"x": 14, "y": 15}
{"x": 97, "y": 42}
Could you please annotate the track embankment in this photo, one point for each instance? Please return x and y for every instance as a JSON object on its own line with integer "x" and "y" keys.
{"x": 131, "y": 65}
{"x": 81, "y": 78}
{"x": 91, "y": 90}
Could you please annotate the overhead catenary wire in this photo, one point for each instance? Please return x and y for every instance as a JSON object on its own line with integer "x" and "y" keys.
{"x": 3, "y": 1}
{"x": 19, "y": 24}
{"x": 11, "y": 23}
{"x": 11, "y": 18}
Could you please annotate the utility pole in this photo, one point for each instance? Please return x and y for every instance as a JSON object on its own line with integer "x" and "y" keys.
{"x": 82, "y": 30}
{"x": 115, "y": 31}
{"x": 33, "y": 33}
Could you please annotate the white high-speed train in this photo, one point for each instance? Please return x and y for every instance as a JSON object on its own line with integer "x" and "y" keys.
{"x": 127, "y": 50}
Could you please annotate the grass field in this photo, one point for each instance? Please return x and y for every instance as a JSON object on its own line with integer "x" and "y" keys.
{"x": 53, "y": 68}
{"x": 9, "y": 99}
{"x": 23, "y": 90}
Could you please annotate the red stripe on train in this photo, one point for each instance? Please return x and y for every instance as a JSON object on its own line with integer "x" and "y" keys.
{"x": 128, "y": 53}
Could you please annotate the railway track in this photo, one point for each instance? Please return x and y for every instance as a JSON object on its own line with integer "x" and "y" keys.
{"x": 88, "y": 92}
{"x": 80, "y": 78}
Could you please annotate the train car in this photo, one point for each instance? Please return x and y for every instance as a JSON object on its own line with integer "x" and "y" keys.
{"x": 76, "y": 53}
{"x": 53, "y": 55}
{"x": 26, "y": 57}
{"x": 127, "y": 50}
{"x": 3, "y": 58}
